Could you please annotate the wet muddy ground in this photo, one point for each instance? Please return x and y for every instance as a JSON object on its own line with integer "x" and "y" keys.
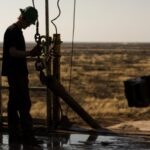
{"x": 76, "y": 141}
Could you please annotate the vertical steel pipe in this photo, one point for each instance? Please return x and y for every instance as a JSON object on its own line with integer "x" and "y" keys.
{"x": 48, "y": 67}
{"x": 56, "y": 74}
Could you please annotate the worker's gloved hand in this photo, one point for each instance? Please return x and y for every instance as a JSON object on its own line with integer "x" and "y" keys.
{"x": 36, "y": 51}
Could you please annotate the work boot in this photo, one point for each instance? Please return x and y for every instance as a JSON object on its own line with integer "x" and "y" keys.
{"x": 31, "y": 140}
{"x": 14, "y": 139}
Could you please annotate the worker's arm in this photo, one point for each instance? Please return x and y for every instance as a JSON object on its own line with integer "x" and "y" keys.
{"x": 17, "y": 53}
{"x": 36, "y": 51}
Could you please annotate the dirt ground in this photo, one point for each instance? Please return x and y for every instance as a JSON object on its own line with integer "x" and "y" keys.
{"x": 142, "y": 126}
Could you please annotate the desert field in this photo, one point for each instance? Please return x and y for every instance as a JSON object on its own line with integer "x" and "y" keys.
{"x": 97, "y": 81}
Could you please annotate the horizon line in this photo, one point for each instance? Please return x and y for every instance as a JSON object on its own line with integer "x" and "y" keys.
{"x": 95, "y": 42}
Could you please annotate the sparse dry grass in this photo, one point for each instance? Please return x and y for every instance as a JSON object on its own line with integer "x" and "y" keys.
{"x": 97, "y": 81}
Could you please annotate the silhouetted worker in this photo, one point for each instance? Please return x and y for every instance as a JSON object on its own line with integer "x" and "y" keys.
{"x": 14, "y": 66}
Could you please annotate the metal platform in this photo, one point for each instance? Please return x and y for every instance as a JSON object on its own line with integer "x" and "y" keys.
{"x": 66, "y": 140}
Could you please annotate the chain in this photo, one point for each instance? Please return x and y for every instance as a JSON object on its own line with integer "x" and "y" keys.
{"x": 37, "y": 36}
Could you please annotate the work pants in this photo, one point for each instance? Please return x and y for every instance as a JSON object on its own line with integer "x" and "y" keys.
{"x": 19, "y": 105}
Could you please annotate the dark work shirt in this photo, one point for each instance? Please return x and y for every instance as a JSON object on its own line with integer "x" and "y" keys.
{"x": 13, "y": 37}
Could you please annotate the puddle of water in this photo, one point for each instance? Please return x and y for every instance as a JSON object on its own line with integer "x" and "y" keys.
{"x": 82, "y": 142}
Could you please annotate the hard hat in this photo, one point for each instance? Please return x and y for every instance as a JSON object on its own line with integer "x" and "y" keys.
{"x": 30, "y": 14}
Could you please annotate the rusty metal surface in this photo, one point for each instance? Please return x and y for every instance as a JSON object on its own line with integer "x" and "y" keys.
{"x": 82, "y": 142}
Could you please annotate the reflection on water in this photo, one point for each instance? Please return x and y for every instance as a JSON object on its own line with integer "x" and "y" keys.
{"x": 81, "y": 142}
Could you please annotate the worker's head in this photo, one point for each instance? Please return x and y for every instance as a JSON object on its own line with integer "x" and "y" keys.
{"x": 29, "y": 14}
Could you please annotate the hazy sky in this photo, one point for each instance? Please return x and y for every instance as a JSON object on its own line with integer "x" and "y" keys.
{"x": 96, "y": 20}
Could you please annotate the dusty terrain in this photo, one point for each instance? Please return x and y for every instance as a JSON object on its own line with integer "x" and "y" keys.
{"x": 98, "y": 73}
